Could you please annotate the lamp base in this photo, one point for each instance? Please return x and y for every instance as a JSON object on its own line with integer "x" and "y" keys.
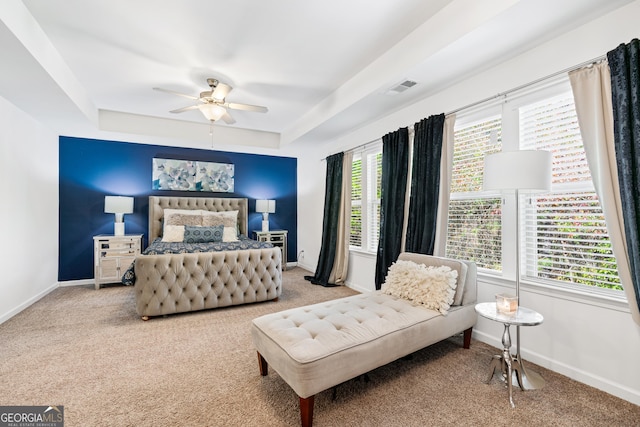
{"x": 265, "y": 225}
{"x": 528, "y": 380}
{"x": 118, "y": 228}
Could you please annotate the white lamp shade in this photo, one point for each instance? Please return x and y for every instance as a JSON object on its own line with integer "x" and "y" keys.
{"x": 268, "y": 206}
{"x": 528, "y": 170}
{"x": 118, "y": 204}
{"x": 212, "y": 112}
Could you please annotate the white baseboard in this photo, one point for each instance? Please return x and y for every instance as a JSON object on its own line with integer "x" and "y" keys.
{"x": 304, "y": 266}
{"x": 8, "y": 315}
{"x": 82, "y": 282}
{"x": 611, "y": 387}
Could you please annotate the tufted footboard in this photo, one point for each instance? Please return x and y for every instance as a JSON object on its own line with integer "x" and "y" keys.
{"x": 177, "y": 283}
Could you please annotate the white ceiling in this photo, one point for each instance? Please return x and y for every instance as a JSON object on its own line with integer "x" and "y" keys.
{"x": 321, "y": 67}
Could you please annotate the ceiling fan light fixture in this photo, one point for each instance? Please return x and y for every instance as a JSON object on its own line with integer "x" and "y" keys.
{"x": 212, "y": 112}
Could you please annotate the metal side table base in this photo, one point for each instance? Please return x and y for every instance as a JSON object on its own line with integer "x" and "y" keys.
{"x": 511, "y": 366}
{"x": 506, "y": 363}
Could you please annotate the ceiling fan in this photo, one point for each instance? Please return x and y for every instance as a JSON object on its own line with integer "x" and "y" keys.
{"x": 212, "y": 102}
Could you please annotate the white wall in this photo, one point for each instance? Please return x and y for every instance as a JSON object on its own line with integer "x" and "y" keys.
{"x": 29, "y": 213}
{"x": 587, "y": 339}
{"x": 311, "y": 183}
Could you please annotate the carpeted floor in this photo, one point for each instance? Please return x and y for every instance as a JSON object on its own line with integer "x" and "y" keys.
{"x": 88, "y": 350}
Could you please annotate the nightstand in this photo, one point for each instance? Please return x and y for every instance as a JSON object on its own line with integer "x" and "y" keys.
{"x": 277, "y": 238}
{"x": 112, "y": 255}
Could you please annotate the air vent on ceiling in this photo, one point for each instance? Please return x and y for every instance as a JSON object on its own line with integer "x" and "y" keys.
{"x": 401, "y": 87}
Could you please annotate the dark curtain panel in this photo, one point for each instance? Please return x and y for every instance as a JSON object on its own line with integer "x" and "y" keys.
{"x": 624, "y": 63}
{"x": 332, "y": 194}
{"x": 425, "y": 185}
{"x": 395, "y": 156}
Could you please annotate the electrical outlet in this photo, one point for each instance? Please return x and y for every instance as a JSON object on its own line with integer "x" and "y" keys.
{"x": 301, "y": 255}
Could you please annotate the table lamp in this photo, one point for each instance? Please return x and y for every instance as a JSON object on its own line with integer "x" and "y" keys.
{"x": 265, "y": 207}
{"x": 118, "y": 205}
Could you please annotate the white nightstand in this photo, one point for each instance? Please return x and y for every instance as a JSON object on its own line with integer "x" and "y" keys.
{"x": 277, "y": 238}
{"x": 112, "y": 255}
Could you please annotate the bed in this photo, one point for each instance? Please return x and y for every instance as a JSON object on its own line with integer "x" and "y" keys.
{"x": 179, "y": 277}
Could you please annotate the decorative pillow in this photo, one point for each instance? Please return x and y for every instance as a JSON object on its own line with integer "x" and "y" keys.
{"x": 434, "y": 287}
{"x": 195, "y": 234}
{"x": 230, "y": 234}
{"x": 228, "y": 219}
{"x": 173, "y": 233}
{"x": 182, "y": 217}
{"x": 435, "y": 261}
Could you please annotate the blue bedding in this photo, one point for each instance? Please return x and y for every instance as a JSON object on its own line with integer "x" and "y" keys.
{"x": 158, "y": 247}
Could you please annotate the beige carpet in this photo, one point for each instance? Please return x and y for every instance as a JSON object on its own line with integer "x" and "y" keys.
{"x": 87, "y": 350}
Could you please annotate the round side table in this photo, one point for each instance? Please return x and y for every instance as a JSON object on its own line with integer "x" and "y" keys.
{"x": 508, "y": 364}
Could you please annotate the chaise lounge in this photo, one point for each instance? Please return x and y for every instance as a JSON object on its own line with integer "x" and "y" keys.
{"x": 316, "y": 347}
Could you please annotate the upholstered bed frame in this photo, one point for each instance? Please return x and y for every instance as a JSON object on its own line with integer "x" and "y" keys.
{"x": 177, "y": 283}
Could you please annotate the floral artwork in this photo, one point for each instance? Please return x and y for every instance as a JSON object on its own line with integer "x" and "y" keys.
{"x": 214, "y": 177}
{"x": 189, "y": 175}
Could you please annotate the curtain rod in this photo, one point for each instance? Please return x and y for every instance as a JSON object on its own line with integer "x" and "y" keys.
{"x": 526, "y": 85}
{"x": 501, "y": 94}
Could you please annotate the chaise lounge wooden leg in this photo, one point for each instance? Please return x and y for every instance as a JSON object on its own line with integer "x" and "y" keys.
{"x": 264, "y": 366}
{"x": 306, "y": 411}
{"x": 467, "y": 338}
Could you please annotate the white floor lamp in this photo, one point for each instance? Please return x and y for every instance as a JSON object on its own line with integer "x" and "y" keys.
{"x": 524, "y": 170}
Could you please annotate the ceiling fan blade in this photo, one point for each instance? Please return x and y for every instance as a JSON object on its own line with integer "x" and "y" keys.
{"x": 183, "y": 109}
{"x": 175, "y": 93}
{"x": 246, "y": 107}
{"x": 221, "y": 91}
{"x": 228, "y": 119}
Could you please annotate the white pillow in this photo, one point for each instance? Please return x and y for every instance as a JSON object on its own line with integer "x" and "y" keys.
{"x": 229, "y": 234}
{"x": 173, "y": 233}
{"x": 434, "y": 287}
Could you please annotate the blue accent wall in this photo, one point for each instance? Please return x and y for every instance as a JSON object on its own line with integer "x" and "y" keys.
{"x": 90, "y": 169}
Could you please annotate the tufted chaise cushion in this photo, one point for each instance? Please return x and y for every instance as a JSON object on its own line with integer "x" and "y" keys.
{"x": 177, "y": 283}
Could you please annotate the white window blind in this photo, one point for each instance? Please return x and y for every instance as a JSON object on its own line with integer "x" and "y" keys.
{"x": 365, "y": 199}
{"x": 355, "y": 235}
{"x": 565, "y": 236}
{"x": 474, "y": 229}
{"x": 374, "y": 178}
{"x": 475, "y": 232}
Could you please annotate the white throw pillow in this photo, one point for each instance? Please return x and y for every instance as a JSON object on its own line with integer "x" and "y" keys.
{"x": 433, "y": 286}
{"x": 229, "y": 234}
{"x": 173, "y": 233}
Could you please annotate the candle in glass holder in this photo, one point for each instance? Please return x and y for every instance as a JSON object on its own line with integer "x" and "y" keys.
{"x": 507, "y": 304}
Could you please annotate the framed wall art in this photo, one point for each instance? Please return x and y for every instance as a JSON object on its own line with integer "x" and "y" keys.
{"x": 191, "y": 175}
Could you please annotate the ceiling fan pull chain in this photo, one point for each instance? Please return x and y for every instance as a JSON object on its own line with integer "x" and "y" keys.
{"x": 211, "y": 133}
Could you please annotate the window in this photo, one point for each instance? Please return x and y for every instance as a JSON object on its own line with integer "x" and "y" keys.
{"x": 564, "y": 240}
{"x": 365, "y": 199}
{"x": 566, "y": 237}
{"x": 355, "y": 234}
{"x": 474, "y": 222}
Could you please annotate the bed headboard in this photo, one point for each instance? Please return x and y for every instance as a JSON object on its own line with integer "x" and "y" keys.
{"x": 157, "y": 205}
